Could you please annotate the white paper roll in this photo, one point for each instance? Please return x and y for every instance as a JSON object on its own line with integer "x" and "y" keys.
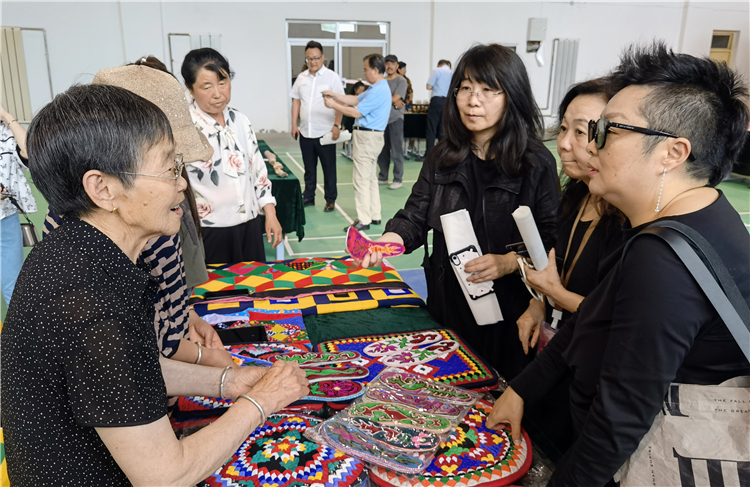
{"x": 531, "y": 238}
{"x": 459, "y": 234}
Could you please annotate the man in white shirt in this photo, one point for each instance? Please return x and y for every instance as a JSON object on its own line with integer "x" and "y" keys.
{"x": 316, "y": 120}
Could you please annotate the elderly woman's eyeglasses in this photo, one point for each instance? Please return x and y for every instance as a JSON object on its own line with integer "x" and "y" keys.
{"x": 598, "y": 130}
{"x": 175, "y": 171}
{"x": 464, "y": 93}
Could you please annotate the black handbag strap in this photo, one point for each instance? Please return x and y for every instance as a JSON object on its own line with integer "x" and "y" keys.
{"x": 724, "y": 295}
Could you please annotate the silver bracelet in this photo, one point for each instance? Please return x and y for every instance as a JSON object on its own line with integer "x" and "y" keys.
{"x": 257, "y": 405}
{"x": 200, "y": 353}
{"x": 223, "y": 376}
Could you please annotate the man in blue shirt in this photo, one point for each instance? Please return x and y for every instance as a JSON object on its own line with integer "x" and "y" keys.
{"x": 439, "y": 82}
{"x": 371, "y": 109}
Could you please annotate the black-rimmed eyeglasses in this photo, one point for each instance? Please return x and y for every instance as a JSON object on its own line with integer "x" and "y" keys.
{"x": 598, "y": 130}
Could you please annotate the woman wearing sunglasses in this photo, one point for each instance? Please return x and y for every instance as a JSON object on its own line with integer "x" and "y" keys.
{"x": 590, "y": 229}
{"x": 663, "y": 142}
{"x": 490, "y": 161}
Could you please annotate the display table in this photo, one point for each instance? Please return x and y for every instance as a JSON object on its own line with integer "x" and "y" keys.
{"x": 415, "y": 125}
{"x": 288, "y": 193}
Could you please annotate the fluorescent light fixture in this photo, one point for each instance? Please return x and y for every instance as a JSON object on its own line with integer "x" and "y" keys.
{"x": 347, "y": 28}
{"x": 328, "y": 28}
{"x": 383, "y": 29}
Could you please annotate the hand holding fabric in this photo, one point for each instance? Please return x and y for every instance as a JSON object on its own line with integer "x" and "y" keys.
{"x": 375, "y": 259}
{"x": 335, "y": 132}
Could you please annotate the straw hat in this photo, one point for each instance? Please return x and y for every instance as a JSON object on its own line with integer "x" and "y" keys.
{"x": 164, "y": 91}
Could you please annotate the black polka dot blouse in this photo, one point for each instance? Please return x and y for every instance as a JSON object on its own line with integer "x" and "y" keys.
{"x": 78, "y": 352}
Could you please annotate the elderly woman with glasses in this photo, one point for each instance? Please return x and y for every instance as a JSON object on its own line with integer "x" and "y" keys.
{"x": 84, "y": 388}
{"x": 663, "y": 142}
{"x": 232, "y": 189}
{"x": 491, "y": 161}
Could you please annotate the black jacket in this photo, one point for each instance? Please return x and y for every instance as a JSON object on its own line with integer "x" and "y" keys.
{"x": 441, "y": 190}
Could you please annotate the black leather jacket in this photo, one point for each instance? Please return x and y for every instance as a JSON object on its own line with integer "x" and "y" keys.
{"x": 441, "y": 190}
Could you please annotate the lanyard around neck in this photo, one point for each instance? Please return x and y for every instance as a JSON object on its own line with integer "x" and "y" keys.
{"x": 584, "y": 241}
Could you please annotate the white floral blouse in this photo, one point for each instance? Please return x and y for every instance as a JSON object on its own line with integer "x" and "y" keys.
{"x": 232, "y": 187}
{"x": 12, "y": 177}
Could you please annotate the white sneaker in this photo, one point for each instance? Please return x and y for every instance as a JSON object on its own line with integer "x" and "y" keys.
{"x": 395, "y": 185}
{"x": 381, "y": 182}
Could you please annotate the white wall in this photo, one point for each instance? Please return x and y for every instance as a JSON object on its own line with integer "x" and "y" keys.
{"x": 86, "y": 37}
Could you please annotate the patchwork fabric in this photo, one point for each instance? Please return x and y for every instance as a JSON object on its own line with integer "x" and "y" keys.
{"x": 278, "y": 455}
{"x": 461, "y": 367}
{"x": 281, "y": 326}
{"x": 259, "y": 353}
{"x": 333, "y": 302}
{"x": 300, "y": 273}
{"x": 473, "y": 455}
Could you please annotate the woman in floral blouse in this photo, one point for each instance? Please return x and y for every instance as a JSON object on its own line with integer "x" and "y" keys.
{"x": 232, "y": 188}
{"x": 12, "y": 183}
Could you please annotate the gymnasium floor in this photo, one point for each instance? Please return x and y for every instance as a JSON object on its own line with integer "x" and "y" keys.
{"x": 324, "y": 232}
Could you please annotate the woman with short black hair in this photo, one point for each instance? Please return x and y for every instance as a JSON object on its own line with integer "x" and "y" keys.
{"x": 663, "y": 142}
{"x": 232, "y": 189}
{"x": 84, "y": 389}
{"x": 490, "y": 161}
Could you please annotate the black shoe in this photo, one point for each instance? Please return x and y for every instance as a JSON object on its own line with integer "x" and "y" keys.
{"x": 358, "y": 225}
{"x": 375, "y": 222}
{"x": 329, "y": 207}
{"x": 309, "y": 203}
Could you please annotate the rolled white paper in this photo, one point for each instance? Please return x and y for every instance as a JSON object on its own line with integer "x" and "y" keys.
{"x": 531, "y": 238}
{"x": 459, "y": 234}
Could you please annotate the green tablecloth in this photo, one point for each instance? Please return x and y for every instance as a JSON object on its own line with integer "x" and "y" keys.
{"x": 289, "y": 207}
{"x": 331, "y": 326}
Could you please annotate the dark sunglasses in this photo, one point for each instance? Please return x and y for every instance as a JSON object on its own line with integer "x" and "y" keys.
{"x": 598, "y": 130}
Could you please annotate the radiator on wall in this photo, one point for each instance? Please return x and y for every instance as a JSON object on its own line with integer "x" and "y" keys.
{"x": 562, "y": 71}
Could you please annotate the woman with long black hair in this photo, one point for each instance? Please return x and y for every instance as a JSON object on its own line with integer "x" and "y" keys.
{"x": 490, "y": 162}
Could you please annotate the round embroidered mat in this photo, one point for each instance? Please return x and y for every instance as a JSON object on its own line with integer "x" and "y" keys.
{"x": 278, "y": 455}
{"x": 472, "y": 456}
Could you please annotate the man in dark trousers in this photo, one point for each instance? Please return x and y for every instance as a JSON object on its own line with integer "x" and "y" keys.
{"x": 316, "y": 120}
{"x": 439, "y": 82}
{"x": 393, "y": 148}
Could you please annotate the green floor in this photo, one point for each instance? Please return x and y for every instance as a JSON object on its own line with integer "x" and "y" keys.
{"x": 324, "y": 232}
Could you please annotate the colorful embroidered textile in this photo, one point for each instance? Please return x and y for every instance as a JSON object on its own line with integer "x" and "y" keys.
{"x": 324, "y": 303}
{"x": 473, "y": 455}
{"x": 278, "y": 455}
{"x": 461, "y": 367}
{"x": 358, "y": 246}
{"x": 258, "y": 353}
{"x": 287, "y": 327}
{"x": 261, "y": 277}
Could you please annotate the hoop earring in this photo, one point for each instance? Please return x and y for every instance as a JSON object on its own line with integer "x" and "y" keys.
{"x": 661, "y": 188}
{"x": 114, "y": 208}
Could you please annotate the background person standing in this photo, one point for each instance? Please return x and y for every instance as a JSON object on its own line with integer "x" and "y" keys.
{"x": 371, "y": 109}
{"x": 393, "y": 145}
{"x": 439, "y": 81}
{"x": 12, "y": 183}
{"x": 315, "y": 120}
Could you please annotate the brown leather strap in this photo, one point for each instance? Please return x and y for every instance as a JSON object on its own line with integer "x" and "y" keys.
{"x": 584, "y": 241}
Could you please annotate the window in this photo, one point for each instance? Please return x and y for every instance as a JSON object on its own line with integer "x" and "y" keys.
{"x": 26, "y": 82}
{"x": 722, "y": 46}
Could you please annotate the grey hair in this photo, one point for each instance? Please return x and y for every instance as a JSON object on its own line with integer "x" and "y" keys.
{"x": 685, "y": 111}
{"x": 691, "y": 97}
{"x": 91, "y": 127}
